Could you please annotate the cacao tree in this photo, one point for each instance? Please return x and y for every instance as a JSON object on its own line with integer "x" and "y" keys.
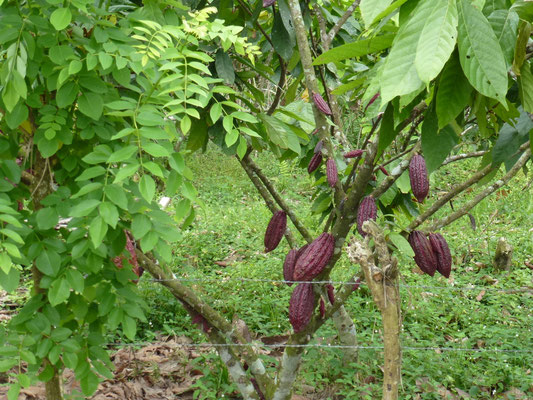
{"x": 102, "y": 102}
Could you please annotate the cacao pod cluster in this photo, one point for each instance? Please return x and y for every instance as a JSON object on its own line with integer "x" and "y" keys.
{"x": 367, "y": 210}
{"x": 275, "y": 230}
{"x": 431, "y": 253}
{"x": 305, "y": 264}
{"x": 418, "y": 175}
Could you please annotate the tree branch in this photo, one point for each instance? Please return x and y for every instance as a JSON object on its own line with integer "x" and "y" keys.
{"x": 341, "y": 21}
{"x": 274, "y": 193}
{"x": 189, "y": 297}
{"x": 463, "y": 156}
{"x": 488, "y": 191}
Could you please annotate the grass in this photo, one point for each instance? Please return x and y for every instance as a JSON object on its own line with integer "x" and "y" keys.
{"x": 229, "y": 231}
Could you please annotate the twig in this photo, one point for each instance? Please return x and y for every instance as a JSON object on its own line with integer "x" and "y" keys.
{"x": 340, "y": 22}
{"x": 488, "y": 191}
{"x": 463, "y": 156}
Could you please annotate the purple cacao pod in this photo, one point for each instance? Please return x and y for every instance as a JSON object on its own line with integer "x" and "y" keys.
{"x": 314, "y": 258}
{"x": 382, "y": 169}
{"x": 353, "y": 153}
{"x": 356, "y": 284}
{"x": 331, "y": 172}
{"x": 318, "y": 147}
{"x": 288, "y": 265}
{"x": 367, "y": 210}
{"x": 301, "y": 306}
{"x": 418, "y": 175}
{"x": 322, "y": 308}
{"x": 275, "y": 230}
{"x": 331, "y": 293}
{"x": 442, "y": 253}
{"x": 321, "y": 104}
{"x": 424, "y": 256}
{"x": 315, "y": 162}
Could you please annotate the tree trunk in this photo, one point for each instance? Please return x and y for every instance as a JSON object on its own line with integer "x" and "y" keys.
{"x": 503, "y": 256}
{"x": 382, "y": 280}
{"x": 347, "y": 336}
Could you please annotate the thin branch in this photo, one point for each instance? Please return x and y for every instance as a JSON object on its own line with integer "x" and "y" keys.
{"x": 274, "y": 193}
{"x": 213, "y": 317}
{"x": 341, "y": 21}
{"x": 269, "y": 201}
{"x": 488, "y": 191}
{"x": 463, "y": 156}
{"x": 397, "y": 156}
{"x": 279, "y": 87}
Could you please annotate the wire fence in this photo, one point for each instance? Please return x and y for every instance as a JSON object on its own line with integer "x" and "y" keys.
{"x": 326, "y": 346}
{"x": 281, "y": 281}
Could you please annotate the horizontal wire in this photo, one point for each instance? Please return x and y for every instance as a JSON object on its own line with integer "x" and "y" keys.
{"x": 333, "y": 346}
{"x": 260, "y": 280}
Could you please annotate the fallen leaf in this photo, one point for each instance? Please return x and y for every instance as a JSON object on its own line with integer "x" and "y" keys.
{"x": 480, "y": 295}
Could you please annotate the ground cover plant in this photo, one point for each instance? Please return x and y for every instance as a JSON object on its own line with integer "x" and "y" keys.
{"x": 103, "y": 103}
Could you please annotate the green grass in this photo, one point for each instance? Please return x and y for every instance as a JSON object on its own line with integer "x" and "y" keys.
{"x": 231, "y": 226}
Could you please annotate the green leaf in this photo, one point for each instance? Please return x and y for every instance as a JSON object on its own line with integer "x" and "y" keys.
{"x": 401, "y": 244}
{"x": 109, "y": 213}
{"x": 355, "y": 49}
{"x": 97, "y": 231}
{"x": 436, "y": 145}
{"x": 505, "y": 25}
{"x": 453, "y": 92}
{"x": 91, "y": 104}
{"x": 90, "y": 173}
{"x": 9, "y": 281}
{"x": 387, "y": 133}
{"x": 90, "y": 187}
{"x": 123, "y": 154}
{"x": 17, "y": 116}
{"x": 129, "y": 327}
{"x": 58, "y": 293}
{"x": 147, "y": 188}
{"x": 75, "y": 279}
{"x": 117, "y": 195}
{"x": 140, "y": 226}
{"x": 526, "y": 87}
{"x": 215, "y": 112}
{"x": 47, "y": 218}
{"x": 480, "y": 53}
{"x": 370, "y": 9}
{"x": 84, "y": 208}
{"x": 48, "y": 262}
{"x": 66, "y": 95}
{"x": 224, "y": 67}
{"x": 89, "y": 383}
{"x": 14, "y": 390}
{"x": 282, "y": 40}
{"x": 437, "y": 39}
{"x": 125, "y": 172}
{"x": 61, "y": 18}
{"x": 155, "y": 150}
{"x": 12, "y": 235}
{"x": 399, "y": 75}
{"x": 231, "y": 137}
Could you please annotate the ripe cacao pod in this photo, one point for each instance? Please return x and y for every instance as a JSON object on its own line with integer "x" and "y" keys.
{"x": 331, "y": 172}
{"x": 314, "y": 163}
{"x": 314, "y": 258}
{"x": 301, "y": 306}
{"x": 318, "y": 147}
{"x": 331, "y": 293}
{"x": 442, "y": 253}
{"x": 356, "y": 284}
{"x": 424, "y": 255}
{"x": 288, "y": 265}
{"x": 418, "y": 175}
{"x": 275, "y": 230}
{"x": 367, "y": 210}
{"x": 322, "y": 308}
{"x": 353, "y": 154}
{"x": 268, "y": 3}
{"x": 321, "y": 104}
